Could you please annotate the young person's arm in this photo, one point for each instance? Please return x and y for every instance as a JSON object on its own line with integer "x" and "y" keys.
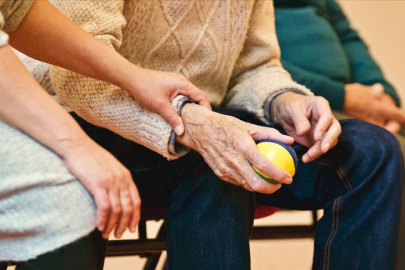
{"x": 25, "y": 105}
{"x": 47, "y": 35}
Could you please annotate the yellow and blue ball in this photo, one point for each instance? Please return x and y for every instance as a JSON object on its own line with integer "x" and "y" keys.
{"x": 282, "y": 155}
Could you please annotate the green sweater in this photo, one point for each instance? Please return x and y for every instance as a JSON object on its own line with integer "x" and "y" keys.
{"x": 322, "y": 52}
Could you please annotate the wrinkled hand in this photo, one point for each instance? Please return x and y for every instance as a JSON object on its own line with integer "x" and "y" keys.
{"x": 156, "y": 89}
{"x": 371, "y": 104}
{"x": 228, "y": 146}
{"x": 110, "y": 183}
{"x": 309, "y": 120}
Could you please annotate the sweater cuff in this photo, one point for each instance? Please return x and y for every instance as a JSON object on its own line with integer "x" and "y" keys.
{"x": 174, "y": 147}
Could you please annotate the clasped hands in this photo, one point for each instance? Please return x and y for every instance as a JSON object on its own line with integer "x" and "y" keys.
{"x": 371, "y": 104}
{"x": 228, "y": 144}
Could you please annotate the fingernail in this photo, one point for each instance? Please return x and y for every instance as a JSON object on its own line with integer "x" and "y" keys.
{"x": 178, "y": 130}
{"x": 326, "y": 147}
{"x": 319, "y": 136}
{"x": 101, "y": 228}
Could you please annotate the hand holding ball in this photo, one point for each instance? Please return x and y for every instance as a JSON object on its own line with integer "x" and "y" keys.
{"x": 282, "y": 155}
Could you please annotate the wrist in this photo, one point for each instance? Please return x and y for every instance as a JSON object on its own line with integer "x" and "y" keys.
{"x": 70, "y": 145}
{"x": 129, "y": 78}
{"x": 278, "y": 103}
{"x": 195, "y": 119}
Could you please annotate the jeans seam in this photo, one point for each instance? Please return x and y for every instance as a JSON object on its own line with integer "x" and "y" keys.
{"x": 335, "y": 223}
{"x": 340, "y": 172}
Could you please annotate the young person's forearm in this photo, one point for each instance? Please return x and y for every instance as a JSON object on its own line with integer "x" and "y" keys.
{"x": 47, "y": 35}
{"x": 25, "y": 105}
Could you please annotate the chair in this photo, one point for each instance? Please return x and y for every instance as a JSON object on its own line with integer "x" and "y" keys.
{"x": 152, "y": 248}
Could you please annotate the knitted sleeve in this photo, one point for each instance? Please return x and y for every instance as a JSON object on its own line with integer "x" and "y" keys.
{"x": 364, "y": 68}
{"x": 258, "y": 72}
{"x": 101, "y": 103}
{"x": 12, "y": 12}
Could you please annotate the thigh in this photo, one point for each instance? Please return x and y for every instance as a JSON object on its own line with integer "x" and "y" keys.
{"x": 85, "y": 254}
{"x": 365, "y": 155}
{"x": 43, "y": 206}
{"x": 155, "y": 177}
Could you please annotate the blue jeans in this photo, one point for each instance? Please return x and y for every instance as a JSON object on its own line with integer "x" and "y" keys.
{"x": 358, "y": 184}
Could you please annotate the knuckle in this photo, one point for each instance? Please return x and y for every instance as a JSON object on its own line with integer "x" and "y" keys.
{"x": 137, "y": 204}
{"x": 116, "y": 209}
{"x": 254, "y": 185}
{"x": 159, "y": 103}
{"x": 128, "y": 209}
{"x": 104, "y": 206}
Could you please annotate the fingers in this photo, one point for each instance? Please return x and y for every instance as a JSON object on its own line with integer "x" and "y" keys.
{"x": 327, "y": 129}
{"x": 166, "y": 110}
{"x": 254, "y": 182}
{"x": 113, "y": 214}
{"x": 392, "y": 126}
{"x": 268, "y": 168}
{"x": 331, "y": 135}
{"x": 377, "y": 90}
{"x": 329, "y": 140}
{"x": 103, "y": 207}
{"x": 393, "y": 113}
{"x": 237, "y": 169}
{"x": 301, "y": 123}
{"x": 118, "y": 206}
{"x": 136, "y": 204}
{"x": 195, "y": 94}
{"x": 125, "y": 215}
{"x": 259, "y": 133}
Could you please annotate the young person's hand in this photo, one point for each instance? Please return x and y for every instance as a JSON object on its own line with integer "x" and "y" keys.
{"x": 309, "y": 120}
{"x": 28, "y": 107}
{"x": 108, "y": 181}
{"x": 156, "y": 89}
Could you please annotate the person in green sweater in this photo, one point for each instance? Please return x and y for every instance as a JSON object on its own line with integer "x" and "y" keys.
{"x": 321, "y": 51}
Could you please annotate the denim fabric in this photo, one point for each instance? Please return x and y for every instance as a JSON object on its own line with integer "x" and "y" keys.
{"x": 358, "y": 184}
{"x": 86, "y": 253}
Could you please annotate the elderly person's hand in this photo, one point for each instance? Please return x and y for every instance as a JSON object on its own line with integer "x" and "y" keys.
{"x": 371, "y": 104}
{"x": 309, "y": 120}
{"x": 228, "y": 146}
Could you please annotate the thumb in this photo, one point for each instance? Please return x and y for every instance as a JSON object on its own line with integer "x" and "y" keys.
{"x": 301, "y": 123}
{"x": 172, "y": 118}
{"x": 196, "y": 95}
{"x": 377, "y": 90}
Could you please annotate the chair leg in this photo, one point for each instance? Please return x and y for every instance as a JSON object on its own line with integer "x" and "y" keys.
{"x": 153, "y": 259}
{"x": 3, "y": 265}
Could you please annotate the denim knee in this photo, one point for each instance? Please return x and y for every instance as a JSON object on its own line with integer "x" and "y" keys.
{"x": 367, "y": 150}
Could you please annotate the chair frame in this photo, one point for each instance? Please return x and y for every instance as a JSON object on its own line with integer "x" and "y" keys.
{"x": 152, "y": 248}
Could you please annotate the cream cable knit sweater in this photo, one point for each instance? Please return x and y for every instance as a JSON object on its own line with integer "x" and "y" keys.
{"x": 226, "y": 48}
